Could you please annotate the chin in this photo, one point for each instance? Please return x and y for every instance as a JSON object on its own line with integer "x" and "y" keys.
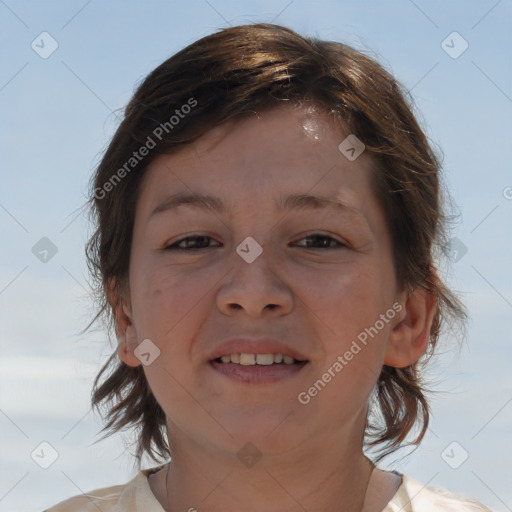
{"x": 271, "y": 433}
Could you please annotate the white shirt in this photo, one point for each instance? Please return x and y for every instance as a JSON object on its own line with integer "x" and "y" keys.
{"x": 137, "y": 496}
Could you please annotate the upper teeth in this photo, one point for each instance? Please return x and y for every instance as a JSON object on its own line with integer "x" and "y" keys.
{"x": 252, "y": 359}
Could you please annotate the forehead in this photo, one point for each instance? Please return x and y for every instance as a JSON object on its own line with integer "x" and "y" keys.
{"x": 286, "y": 126}
{"x": 286, "y": 150}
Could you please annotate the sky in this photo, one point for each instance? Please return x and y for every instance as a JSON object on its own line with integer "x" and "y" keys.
{"x": 68, "y": 68}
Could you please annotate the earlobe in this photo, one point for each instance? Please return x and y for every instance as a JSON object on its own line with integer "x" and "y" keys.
{"x": 127, "y": 343}
{"x": 125, "y": 331}
{"x": 409, "y": 338}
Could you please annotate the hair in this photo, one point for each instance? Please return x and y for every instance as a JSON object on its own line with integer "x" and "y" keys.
{"x": 230, "y": 75}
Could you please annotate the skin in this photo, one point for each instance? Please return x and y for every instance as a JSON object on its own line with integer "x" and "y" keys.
{"x": 188, "y": 303}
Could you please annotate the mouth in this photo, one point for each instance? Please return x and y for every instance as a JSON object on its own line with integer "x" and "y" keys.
{"x": 258, "y": 368}
{"x": 246, "y": 359}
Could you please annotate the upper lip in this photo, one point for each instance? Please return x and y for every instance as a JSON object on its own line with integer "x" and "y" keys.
{"x": 254, "y": 346}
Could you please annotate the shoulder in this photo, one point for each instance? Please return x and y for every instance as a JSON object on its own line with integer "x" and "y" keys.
{"x": 415, "y": 496}
{"x": 132, "y": 496}
{"x": 105, "y": 499}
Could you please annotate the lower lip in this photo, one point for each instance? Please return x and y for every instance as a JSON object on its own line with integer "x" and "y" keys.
{"x": 258, "y": 373}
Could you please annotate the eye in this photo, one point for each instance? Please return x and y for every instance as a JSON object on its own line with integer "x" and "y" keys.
{"x": 176, "y": 245}
{"x": 324, "y": 241}
{"x": 200, "y": 242}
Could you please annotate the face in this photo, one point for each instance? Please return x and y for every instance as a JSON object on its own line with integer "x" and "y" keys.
{"x": 311, "y": 277}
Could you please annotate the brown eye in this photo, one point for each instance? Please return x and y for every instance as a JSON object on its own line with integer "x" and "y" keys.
{"x": 199, "y": 242}
{"x": 323, "y": 241}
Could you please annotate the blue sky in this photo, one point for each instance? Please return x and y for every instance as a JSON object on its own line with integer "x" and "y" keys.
{"x": 58, "y": 114}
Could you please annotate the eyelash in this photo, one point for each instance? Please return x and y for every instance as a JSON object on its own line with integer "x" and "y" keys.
{"x": 174, "y": 246}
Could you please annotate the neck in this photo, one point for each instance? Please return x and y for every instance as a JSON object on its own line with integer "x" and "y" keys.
{"x": 308, "y": 479}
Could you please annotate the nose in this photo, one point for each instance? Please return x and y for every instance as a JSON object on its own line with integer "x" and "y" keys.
{"x": 259, "y": 287}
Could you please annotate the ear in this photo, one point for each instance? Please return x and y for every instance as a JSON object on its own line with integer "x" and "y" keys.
{"x": 125, "y": 330}
{"x": 409, "y": 337}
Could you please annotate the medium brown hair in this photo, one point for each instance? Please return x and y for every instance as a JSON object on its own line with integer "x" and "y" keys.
{"x": 232, "y": 74}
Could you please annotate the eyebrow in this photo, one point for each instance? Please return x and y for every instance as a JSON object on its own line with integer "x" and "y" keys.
{"x": 292, "y": 202}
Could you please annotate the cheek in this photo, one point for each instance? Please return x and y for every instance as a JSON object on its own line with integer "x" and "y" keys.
{"x": 346, "y": 301}
{"x": 170, "y": 304}
{"x": 353, "y": 355}
{"x": 347, "y": 311}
